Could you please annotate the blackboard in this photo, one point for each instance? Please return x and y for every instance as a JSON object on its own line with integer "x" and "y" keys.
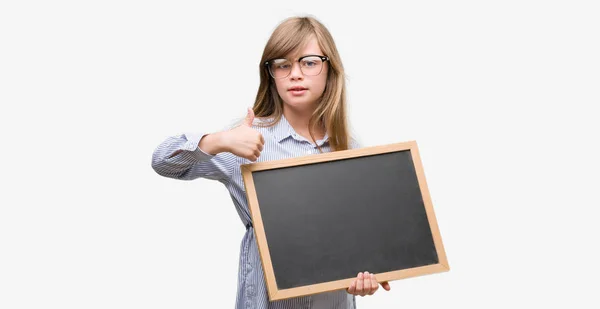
{"x": 321, "y": 219}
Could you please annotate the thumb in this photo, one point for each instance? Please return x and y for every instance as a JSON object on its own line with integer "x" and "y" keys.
{"x": 386, "y": 285}
{"x": 249, "y": 117}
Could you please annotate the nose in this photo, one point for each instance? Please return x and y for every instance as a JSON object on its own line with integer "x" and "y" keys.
{"x": 296, "y": 71}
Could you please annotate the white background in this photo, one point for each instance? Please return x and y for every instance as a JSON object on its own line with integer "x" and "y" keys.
{"x": 501, "y": 97}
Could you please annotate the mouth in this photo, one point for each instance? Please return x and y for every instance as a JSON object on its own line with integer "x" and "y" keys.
{"x": 297, "y": 88}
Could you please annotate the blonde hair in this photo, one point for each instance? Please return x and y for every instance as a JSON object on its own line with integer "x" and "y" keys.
{"x": 290, "y": 35}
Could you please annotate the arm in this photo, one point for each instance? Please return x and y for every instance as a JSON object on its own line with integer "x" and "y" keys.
{"x": 354, "y": 144}
{"x": 211, "y": 156}
{"x": 181, "y": 157}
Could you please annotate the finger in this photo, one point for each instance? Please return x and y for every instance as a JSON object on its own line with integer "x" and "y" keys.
{"x": 374, "y": 284}
{"x": 359, "y": 285}
{"x": 249, "y": 117}
{"x": 262, "y": 140}
{"x": 367, "y": 283}
{"x": 261, "y": 147}
{"x": 386, "y": 285}
{"x": 352, "y": 288}
{"x": 257, "y": 153}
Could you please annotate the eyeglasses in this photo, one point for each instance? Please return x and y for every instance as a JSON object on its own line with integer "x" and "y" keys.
{"x": 310, "y": 65}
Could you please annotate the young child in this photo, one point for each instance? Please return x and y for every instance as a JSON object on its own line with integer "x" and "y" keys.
{"x": 300, "y": 109}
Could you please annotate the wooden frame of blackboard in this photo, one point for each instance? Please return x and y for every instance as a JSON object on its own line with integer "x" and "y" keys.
{"x": 274, "y": 292}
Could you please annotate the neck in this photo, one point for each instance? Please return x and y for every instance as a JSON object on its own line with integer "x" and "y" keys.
{"x": 299, "y": 119}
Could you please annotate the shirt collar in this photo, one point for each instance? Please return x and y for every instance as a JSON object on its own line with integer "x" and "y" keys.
{"x": 283, "y": 130}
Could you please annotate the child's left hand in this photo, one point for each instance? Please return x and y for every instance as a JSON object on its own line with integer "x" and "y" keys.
{"x": 366, "y": 284}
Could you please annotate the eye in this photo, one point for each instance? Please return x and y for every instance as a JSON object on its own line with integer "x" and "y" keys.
{"x": 280, "y": 64}
{"x": 311, "y": 62}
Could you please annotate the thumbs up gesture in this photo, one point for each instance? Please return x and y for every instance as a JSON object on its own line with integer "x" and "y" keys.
{"x": 244, "y": 141}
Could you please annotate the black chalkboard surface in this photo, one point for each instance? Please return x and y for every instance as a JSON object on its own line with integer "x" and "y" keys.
{"x": 321, "y": 219}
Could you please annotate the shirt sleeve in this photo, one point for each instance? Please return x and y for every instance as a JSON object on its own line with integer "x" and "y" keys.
{"x": 354, "y": 144}
{"x": 179, "y": 157}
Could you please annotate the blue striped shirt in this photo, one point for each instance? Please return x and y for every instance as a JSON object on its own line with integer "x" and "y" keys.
{"x": 281, "y": 141}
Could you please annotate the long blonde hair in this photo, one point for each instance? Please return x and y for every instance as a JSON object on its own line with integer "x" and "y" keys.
{"x": 291, "y": 34}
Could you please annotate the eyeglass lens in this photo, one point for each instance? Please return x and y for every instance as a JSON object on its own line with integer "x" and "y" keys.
{"x": 280, "y": 68}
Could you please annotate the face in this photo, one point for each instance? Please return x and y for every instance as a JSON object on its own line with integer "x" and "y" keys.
{"x": 299, "y": 90}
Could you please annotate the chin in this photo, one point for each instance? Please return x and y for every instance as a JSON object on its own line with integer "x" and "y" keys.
{"x": 299, "y": 103}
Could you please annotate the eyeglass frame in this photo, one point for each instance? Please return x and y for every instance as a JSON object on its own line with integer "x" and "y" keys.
{"x": 323, "y": 58}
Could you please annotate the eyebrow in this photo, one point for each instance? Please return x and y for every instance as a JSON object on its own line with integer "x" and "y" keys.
{"x": 296, "y": 58}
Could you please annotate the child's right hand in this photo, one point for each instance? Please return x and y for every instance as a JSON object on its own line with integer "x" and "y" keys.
{"x": 243, "y": 141}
